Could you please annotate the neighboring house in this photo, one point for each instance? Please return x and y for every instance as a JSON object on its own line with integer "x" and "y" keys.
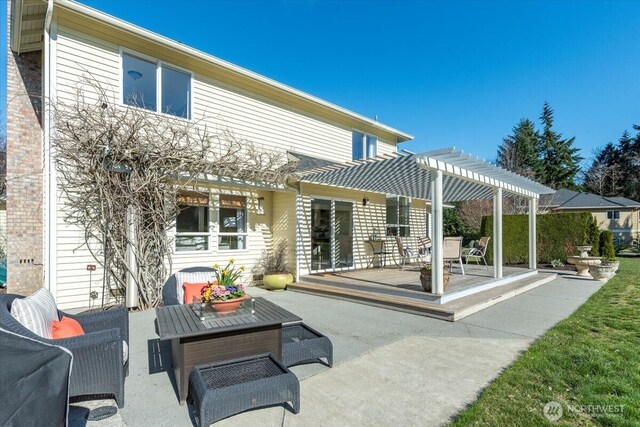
{"x": 52, "y": 45}
{"x": 618, "y": 214}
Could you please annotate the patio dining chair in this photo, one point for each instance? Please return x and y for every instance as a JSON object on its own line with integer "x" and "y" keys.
{"x": 424, "y": 249}
{"x": 405, "y": 253}
{"x": 452, "y": 251}
{"x": 478, "y": 252}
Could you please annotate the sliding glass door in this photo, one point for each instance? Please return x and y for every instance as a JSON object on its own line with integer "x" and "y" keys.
{"x": 331, "y": 235}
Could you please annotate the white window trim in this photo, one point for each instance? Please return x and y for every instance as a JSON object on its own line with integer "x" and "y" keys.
{"x": 220, "y": 233}
{"x": 159, "y": 63}
{"x": 613, "y": 215}
{"x": 364, "y": 144}
{"x": 408, "y": 224}
{"x": 209, "y": 249}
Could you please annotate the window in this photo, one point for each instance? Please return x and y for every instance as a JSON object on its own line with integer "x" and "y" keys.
{"x": 233, "y": 223}
{"x": 613, "y": 215}
{"x": 192, "y": 222}
{"x": 140, "y": 86}
{"x": 364, "y": 146}
{"x": 398, "y": 209}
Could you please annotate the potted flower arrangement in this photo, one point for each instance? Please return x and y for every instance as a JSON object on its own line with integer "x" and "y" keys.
{"x": 225, "y": 293}
{"x": 274, "y": 268}
{"x": 425, "y": 277}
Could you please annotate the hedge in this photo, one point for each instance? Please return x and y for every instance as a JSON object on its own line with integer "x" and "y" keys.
{"x": 558, "y": 236}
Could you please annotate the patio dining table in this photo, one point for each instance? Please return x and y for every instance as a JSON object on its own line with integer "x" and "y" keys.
{"x": 200, "y": 335}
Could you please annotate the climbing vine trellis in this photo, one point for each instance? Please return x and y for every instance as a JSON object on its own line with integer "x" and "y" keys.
{"x": 120, "y": 169}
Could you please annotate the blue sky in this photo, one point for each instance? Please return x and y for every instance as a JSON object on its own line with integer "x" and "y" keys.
{"x": 450, "y": 73}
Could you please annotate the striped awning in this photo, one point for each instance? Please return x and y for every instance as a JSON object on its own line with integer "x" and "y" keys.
{"x": 465, "y": 177}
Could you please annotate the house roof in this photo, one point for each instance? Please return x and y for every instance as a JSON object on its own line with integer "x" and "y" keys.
{"x": 28, "y": 18}
{"x": 465, "y": 177}
{"x": 569, "y": 199}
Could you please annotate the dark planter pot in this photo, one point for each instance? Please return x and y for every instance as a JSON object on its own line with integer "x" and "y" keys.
{"x": 425, "y": 279}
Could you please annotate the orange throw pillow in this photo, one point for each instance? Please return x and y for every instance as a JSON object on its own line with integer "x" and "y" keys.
{"x": 191, "y": 291}
{"x": 66, "y": 328}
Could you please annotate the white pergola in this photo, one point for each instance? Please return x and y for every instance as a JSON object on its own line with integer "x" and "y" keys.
{"x": 441, "y": 176}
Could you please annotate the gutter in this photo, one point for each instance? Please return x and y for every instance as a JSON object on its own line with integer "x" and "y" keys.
{"x": 49, "y": 197}
{"x": 164, "y": 41}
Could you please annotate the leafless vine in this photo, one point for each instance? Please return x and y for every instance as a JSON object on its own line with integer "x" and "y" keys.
{"x": 120, "y": 169}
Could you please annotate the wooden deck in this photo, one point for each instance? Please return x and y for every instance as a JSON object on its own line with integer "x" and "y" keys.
{"x": 401, "y": 290}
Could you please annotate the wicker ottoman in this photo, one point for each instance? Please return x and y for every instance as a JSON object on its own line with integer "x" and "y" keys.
{"x": 301, "y": 344}
{"x": 221, "y": 389}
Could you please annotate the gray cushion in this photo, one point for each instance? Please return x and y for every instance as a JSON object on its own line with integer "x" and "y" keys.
{"x": 36, "y": 312}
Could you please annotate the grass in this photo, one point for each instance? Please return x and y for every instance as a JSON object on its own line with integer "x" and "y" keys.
{"x": 590, "y": 358}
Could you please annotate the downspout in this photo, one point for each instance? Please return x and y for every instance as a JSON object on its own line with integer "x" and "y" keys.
{"x": 49, "y": 178}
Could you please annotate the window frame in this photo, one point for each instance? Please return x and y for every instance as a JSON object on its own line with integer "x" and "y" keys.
{"x": 398, "y": 226}
{"x": 364, "y": 144}
{"x": 159, "y": 64}
{"x": 221, "y": 233}
{"x": 207, "y": 234}
{"x": 613, "y": 213}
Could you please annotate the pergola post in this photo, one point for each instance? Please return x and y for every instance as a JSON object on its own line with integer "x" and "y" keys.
{"x": 497, "y": 233}
{"x": 533, "y": 210}
{"x": 437, "y": 264}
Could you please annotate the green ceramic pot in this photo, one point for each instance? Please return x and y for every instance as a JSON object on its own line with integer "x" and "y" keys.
{"x": 277, "y": 282}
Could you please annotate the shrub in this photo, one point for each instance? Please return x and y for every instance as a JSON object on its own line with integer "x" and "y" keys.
{"x": 557, "y": 235}
{"x": 273, "y": 262}
{"x": 593, "y": 235}
{"x": 607, "y": 250}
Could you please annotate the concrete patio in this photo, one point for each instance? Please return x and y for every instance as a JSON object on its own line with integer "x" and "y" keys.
{"x": 391, "y": 368}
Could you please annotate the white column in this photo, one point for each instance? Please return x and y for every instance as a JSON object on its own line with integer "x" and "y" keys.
{"x": 437, "y": 264}
{"x": 132, "y": 285}
{"x": 299, "y": 216}
{"x": 533, "y": 210}
{"x": 497, "y": 233}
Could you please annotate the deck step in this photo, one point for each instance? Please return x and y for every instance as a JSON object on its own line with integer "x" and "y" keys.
{"x": 392, "y": 302}
{"x": 451, "y": 311}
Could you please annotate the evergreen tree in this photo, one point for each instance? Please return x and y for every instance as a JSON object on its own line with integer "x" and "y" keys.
{"x": 560, "y": 159}
{"x": 615, "y": 170}
{"x": 519, "y": 151}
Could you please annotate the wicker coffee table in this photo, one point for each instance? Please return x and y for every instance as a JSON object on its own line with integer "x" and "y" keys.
{"x": 222, "y": 389}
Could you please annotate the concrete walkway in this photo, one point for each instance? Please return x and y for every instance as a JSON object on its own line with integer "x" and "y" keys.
{"x": 390, "y": 368}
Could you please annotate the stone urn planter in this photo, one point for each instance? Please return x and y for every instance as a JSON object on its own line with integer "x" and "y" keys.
{"x": 277, "y": 282}
{"x": 425, "y": 278}
{"x": 604, "y": 271}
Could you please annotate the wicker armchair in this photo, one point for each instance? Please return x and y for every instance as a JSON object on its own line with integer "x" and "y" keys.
{"x": 98, "y": 366}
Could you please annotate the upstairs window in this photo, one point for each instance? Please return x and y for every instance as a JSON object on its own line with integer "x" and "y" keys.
{"x": 233, "y": 223}
{"x": 363, "y": 146}
{"x": 192, "y": 222}
{"x": 398, "y": 209}
{"x": 140, "y": 86}
{"x": 613, "y": 215}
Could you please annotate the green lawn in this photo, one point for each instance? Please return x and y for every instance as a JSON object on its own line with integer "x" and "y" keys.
{"x": 590, "y": 358}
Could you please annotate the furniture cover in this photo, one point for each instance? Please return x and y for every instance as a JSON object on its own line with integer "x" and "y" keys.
{"x": 34, "y": 381}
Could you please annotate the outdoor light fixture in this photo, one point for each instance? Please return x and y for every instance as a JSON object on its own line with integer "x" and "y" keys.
{"x": 365, "y": 201}
{"x": 260, "y": 207}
